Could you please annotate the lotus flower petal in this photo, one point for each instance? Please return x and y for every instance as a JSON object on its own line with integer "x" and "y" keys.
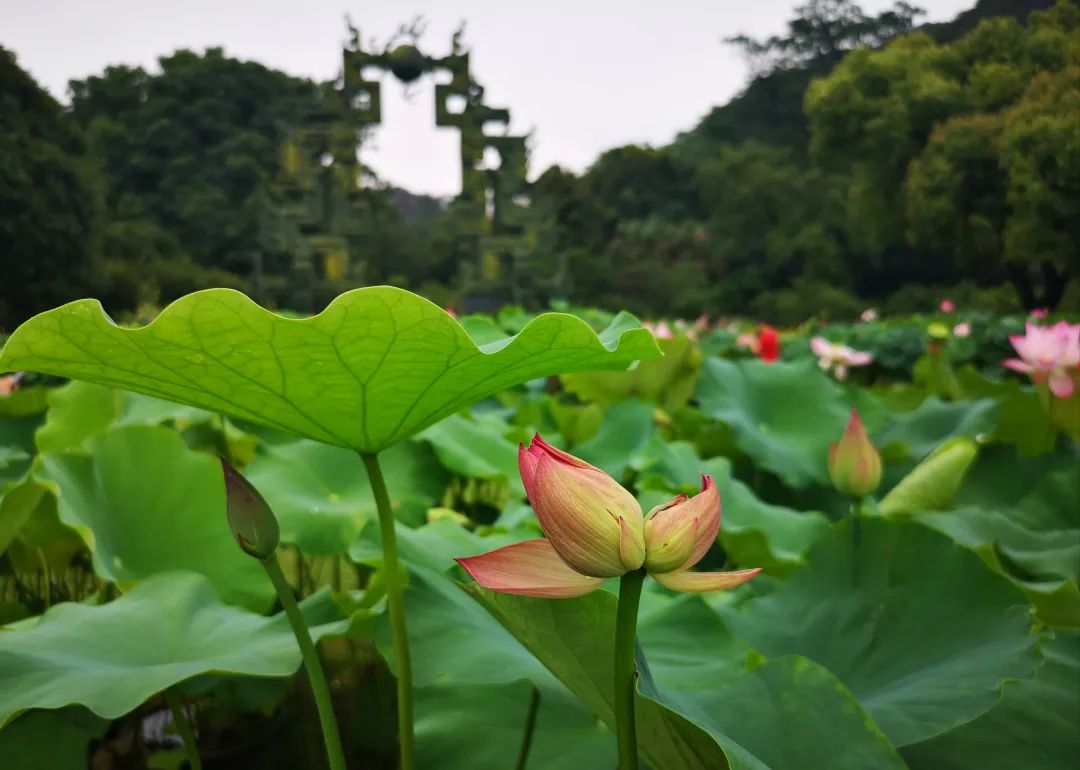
{"x": 529, "y": 568}
{"x": 1061, "y": 384}
{"x": 697, "y": 582}
{"x": 593, "y": 523}
{"x": 678, "y": 534}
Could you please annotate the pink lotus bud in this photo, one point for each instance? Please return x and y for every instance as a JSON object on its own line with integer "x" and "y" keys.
{"x": 962, "y": 329}
{"x": 679, "y": 532}
{"x": 595, "y": 530}
{"x": 592, "y": 522}
{"x": 854, "y": 463}
{"x": 947, "y": 306}
{"x": 252, "y": 522}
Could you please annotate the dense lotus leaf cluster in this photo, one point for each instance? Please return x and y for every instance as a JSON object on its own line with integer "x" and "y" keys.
{"x": 940, "y": 628}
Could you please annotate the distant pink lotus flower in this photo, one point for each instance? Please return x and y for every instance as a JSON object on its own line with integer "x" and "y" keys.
{"x": 9, "y": 382}
{"x": 962, "y": 329}
{"x": 747, "y": 340}
{"x": 659, "y": 330}
{"x": 838, "y": 358}
{"x": 700, "y": 325}
{"x": 1039, "y": 312}
{"x": 869, "y": 315}
{"x": 450, "y": 311}
{"x": 1048, "y": 353}
{"x": 595, "y": 531}
{"x": 947, "y": 306}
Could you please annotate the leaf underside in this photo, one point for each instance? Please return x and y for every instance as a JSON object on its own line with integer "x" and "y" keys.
{"x": 377, "y": 365}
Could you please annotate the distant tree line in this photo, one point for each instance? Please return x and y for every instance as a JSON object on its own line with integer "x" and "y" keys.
{"x": 865, "y": 163}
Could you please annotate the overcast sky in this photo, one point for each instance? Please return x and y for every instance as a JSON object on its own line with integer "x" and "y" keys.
{"x": 583, "y": 75}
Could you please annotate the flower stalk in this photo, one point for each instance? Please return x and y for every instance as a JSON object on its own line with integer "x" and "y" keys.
{"x": 183, "y": 728}
{"x": 625, "y": 670}
{"x": 256, "y": 531}
{"x": 396, "y": 609}
{"x": 335, "y": 754}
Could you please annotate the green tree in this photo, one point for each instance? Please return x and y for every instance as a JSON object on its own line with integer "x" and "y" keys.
{"x": 825, "y": 29}
{"x": 1041, "y": 155}
{"x": 49, "y": 202}
{"x": 955, "y": 153}
{"x": 192, "y": 147}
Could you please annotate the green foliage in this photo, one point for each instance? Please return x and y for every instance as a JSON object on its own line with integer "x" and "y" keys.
{"x": 168, "y": 629}
{"x": 218, "y": 350}
{"x": 916, "y": 638}
{"x": 972, "y": 141}
{"x": 49, "y": 201}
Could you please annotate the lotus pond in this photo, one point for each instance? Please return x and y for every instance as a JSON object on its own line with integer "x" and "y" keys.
{"x": 917, "y": 603}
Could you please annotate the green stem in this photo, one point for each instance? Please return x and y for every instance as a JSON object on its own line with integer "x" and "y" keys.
{"x": 334, "y": 753}
{"x": 530, "y": 728}
{"x": 856, "y": 537}
{"x": 625, "y": 671}
{"x": 396, "y": 607}
{"x": 183, "y": 726}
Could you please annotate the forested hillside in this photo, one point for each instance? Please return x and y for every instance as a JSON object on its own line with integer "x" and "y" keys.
{"x": 869, "y": 161}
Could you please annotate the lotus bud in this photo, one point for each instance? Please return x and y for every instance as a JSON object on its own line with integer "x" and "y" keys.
{"x": 679, "y": 532}
{"x": 854, "y": 463}
{"x": 252, "y": 522}
{"x": 593, "y": 523}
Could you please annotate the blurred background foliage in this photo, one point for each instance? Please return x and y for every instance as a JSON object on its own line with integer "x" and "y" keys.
{"x": 870, "y": 161}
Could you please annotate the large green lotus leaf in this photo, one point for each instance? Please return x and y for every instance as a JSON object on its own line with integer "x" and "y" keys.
{"x": 476, "y": 448}
{"x": 24, "y": 402}
{"x": 79, "y": 410}
{"x": 17, "y": 505}
{"x": 627, "y": 427}
{"x": 170, "y": 628}
{"x": 1021, "y": 417}
{"x": 17, "y": 438}
{"x": 464, "y": 727}
{"x": 758, "y": 534}
{"x": 471, "y": 700}
{"x": 453, "y": 639}
{"x": 783, "y": 414}
{"x": 1021, "y": 515}
{"x": 1036, "y": 724}
{"x": 50, "y": 740}
{"x": 668, "y": 381}
{"x": 378, "y": 365}
{"x": 700, "y": 705}
{"x": 916, "y": 627}
{"x": 918, "y": 432}
{"x": 322, "y": 497}
{"x": 754, "y": 533}
{"x": 149, "y": 504}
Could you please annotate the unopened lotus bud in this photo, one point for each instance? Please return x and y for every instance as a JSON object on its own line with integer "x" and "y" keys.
{"x": 252, "y": 522}
{"x": 854, "y": 463}
{"x": 593, "y": 523}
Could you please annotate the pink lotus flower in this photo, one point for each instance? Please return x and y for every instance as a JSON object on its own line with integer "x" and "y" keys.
{"x": 947, "y": 306}
{"x": 1048, "y": 353}
{"x": 962, "y": 329}
{"x": 869, "y": 315}
{"x": 659, "y": 330}
{"x": 595, "y": 530}
{"x": 1039, "y": 312}
{"x": 747, "y": 340}
{"x": 838, "y": 358}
